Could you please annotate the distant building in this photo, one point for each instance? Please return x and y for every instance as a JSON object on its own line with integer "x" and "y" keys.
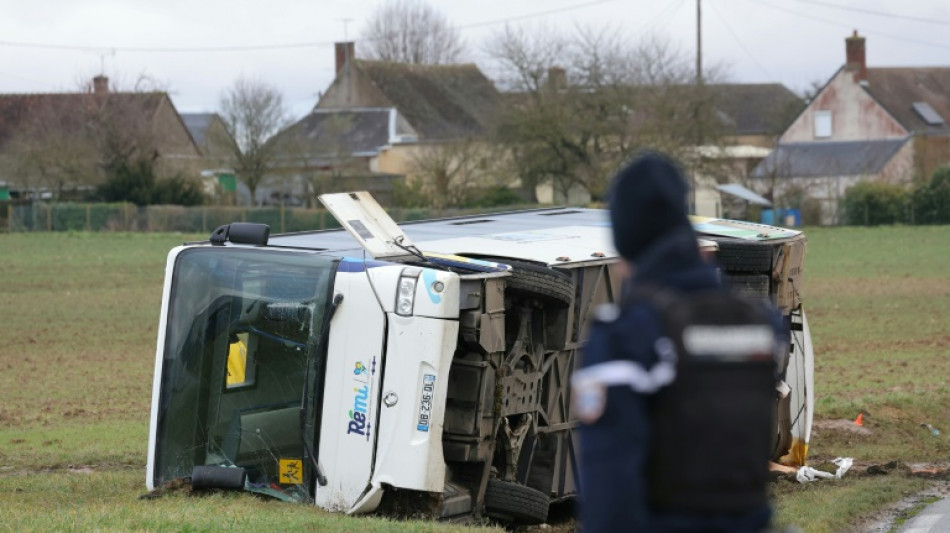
{"x": 379, "y": 120}
{"x": 885, "y": 124}
{"x": 211, "y": 136}
{"x": 751, "y": 115}
{"x": 754, "y": 114}
{"x": 217, "y": 148}
{"x": 55, "y": 145}
{"x": 376, "y": 119}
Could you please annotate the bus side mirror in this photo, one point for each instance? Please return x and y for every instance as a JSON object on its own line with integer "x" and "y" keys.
{"x": 241, "y": 233}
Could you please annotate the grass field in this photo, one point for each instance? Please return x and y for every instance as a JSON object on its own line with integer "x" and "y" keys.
{"x": 78, "y": 317}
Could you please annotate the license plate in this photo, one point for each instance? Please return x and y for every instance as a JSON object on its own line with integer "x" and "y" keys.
{"x": 425, "y": 407}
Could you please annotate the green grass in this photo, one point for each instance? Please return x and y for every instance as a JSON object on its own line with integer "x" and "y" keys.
{"x": 835, "y": 506}
{"x": 82, "y": 310}
{"x": 109, "y": 501}
{"x": 101, "y": 444}
{"x": 78, "y": 318}
{"x": 878, "y": 302}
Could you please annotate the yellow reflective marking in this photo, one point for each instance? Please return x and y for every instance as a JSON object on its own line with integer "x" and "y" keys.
{"x": 291, "y": 471}
{"x": 797, "y": 454}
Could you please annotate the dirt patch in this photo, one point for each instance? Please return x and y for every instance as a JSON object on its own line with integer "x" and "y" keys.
{"x": 930, "y": 470}
{"x": 842, "y": 425}
{"x": 13, "y": 471}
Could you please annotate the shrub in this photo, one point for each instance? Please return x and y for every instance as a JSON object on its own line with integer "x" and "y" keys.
{"x": 873, "y": 203}
{"x": 136, "y": 182}
{"x": 178, "y": 191}
{"x": 409, "y": 195}
{"x": 930, "y": 202}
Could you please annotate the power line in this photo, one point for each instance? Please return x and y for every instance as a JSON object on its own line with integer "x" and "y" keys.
{"x": 849, "y": 26}
{"x": 200, "y": 49}
{"x": 663, "y": 17}
{"x": 279, "y": 46}
{"x": 537, "y": 14}
{"x": 739, "y": 41}
{"x": 877, "y": 13}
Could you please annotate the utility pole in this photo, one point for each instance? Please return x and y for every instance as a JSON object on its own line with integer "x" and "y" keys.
{"x": 697, "y": 126}
{"x": 699, "y": 42}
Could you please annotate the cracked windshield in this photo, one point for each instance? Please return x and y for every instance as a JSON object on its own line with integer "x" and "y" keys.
{"x": 243, "y": 366}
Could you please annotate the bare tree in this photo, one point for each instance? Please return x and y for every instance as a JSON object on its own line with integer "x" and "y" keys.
{"x": 54, "y": 149}
{"x": 411, "y": 31}
{"x": 252, "y": 112}
{"x": 586, "y": 102}
{"x": 451, "y": 174}
{"x": 320, "y": 158}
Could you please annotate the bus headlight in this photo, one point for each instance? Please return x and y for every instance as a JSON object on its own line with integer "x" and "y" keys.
{"x": 406, "y": 291}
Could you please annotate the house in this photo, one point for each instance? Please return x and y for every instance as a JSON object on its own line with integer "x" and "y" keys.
{"x": 335, "y": 149}
{"x": 211, "y": 136}
{"x": 381, "y": 119}
{"x": 433, "y": 103}
{"x": 751, "y": 116}
{"x": 754, "y": 114}
{"x": 217, "y": 148}
{"x": 55, "y": 145}
{"x": 884, "y": 124}
{"x": 608, "y": 118}
{"x": 430, "y": 123}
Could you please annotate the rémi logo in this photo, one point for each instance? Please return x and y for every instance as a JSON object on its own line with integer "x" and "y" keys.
{"x": 358, "y": 413}
{"x": 361, "y": 414}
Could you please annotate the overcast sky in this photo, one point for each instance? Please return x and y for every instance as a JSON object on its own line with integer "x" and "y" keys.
{"x": 51, "y": 45}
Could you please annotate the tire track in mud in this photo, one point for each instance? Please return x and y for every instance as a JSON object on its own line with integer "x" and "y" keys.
{"x": 906, "y": 509}
{"x": 13, "y": 471}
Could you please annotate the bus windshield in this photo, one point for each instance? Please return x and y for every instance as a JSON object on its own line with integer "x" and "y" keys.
{"x": 243, "y": 366}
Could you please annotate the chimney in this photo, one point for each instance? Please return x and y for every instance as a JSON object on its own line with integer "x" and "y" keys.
{"x": 344, "y": 52}
{"x": 855, "y": 56}
{"x": 100, "y": 85}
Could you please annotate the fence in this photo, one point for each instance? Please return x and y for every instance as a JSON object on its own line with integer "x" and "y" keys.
{"x": 40, "y": 216}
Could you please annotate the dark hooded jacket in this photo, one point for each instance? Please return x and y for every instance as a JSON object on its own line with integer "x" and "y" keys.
{"x": 652, "y": 230}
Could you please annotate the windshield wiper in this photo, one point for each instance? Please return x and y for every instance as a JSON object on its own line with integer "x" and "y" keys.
{"x": 318, "y": 365}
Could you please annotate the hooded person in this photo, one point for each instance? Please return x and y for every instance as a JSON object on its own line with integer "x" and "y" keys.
{"x": 651, "y": 226}
{"x": 615, "y": 400}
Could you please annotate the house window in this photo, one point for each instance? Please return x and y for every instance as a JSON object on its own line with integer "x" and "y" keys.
{"x": 822, "y": 124}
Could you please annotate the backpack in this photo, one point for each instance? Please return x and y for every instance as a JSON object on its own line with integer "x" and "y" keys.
{"x": 712, "y": 424}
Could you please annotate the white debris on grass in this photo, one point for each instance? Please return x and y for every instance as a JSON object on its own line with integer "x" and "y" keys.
{"x": 807, "y": 474}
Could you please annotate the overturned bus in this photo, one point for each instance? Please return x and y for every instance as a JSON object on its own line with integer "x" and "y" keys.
{"x": 424, "y": 364}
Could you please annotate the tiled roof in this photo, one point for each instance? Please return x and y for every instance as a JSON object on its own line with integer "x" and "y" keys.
{"x": 756, "y": 108}
{"x": 439, "y": 101}
{"x": 197, "y": 124}
{"x": 897, "y": 89}
{"x": 66, "y": 111}
{"x": 327, "y": 133}
{"x": 742, "y": 109}
{"x": 821, "y": 159}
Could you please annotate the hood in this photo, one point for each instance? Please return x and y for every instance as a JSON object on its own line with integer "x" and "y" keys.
{"x": 647, "y": 202}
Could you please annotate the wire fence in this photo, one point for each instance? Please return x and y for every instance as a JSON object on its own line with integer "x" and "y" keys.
{"x": 43, "y": 216}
